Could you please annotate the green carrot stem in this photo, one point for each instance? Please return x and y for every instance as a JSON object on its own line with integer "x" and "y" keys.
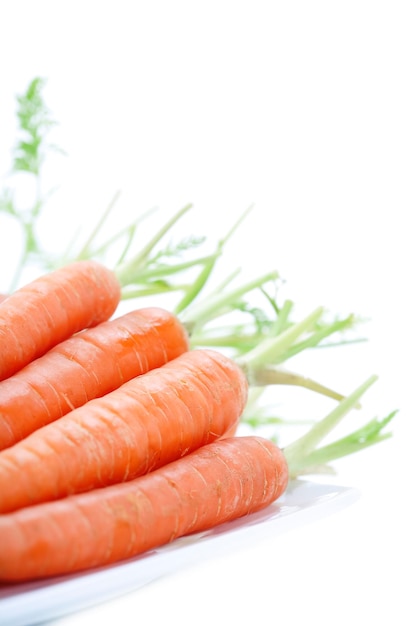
{"x": 283, "y": 316}
{"x": 297, "y": 452}
{"x": 237, "y": 338}
{"x": 85, "y": 250}
{"x": 130, "y": 232}
{"x": 129, "y": 229}
{"x": 366, "y": 436}
{"x": 321, "y": 333}
{"x": 147, "y": 273}
{"x": 153, "y": 289}
{"x": 207, "y": 270}
{"x": 195, "y": 288}
{"x": 126, "y": 270}
{"x": 270, "y": 376}
{"x": 269, "y": 350}
{"x": 219, "y": 303}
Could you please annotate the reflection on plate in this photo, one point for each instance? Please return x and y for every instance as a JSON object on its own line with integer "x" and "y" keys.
{"x": 34, "y": 603}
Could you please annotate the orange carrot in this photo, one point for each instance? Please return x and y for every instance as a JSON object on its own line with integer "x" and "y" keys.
{"x": 217, "y": 483}
{"x": 144, "y": 424}
{"x": 86, "y": 366}
{"x": 52, "y": 308}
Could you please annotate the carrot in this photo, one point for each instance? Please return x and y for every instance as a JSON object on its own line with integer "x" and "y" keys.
{"x": 52, "y": 308}
{"x": 191, "y": 400}
{"x": 144, "y": 424}
{"x": 85, "y": 366}
{"x": 216, "y": 483}
{"x": 212, "y": 485}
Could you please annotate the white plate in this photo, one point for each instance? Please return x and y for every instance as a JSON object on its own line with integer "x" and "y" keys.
{"x": 38, "y": 602}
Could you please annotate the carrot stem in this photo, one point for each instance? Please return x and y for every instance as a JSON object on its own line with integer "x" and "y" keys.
{"x": 196, "y": 287}
{"x": 305, "y": 457}
{"x": 271, "y": 349}
{"x": 125, "y": 271}
{"x": 154, "y": 288}
{"x": 85, "y": 251}
{"x": 283, "y": 317}
{"x": 367, "y": 435}
{"x": 321, "y": 333}
{"x": 166, "y": 269}
{"x": 271, "y": 376}
{"x": 129, "y": 228}
{"x": 221, "y": 303}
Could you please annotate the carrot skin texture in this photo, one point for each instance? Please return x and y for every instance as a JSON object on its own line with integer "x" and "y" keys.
{"x": 217, "y": 483}
{"x": 144, "y": 424}
{"x": 52, "y": 308}
{"x": 88, "y": 365}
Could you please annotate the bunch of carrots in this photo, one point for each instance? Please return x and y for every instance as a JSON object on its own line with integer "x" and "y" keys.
{"x": 117, "y": 436}
{"x": 119, "y": 432}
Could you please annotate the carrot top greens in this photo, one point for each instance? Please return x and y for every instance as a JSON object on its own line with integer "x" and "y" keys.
{"x": 304, "y": 456}
{"x": 28, "y": 157}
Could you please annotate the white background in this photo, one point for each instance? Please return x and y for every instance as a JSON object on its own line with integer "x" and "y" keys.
{"x": 308, "y": 111}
